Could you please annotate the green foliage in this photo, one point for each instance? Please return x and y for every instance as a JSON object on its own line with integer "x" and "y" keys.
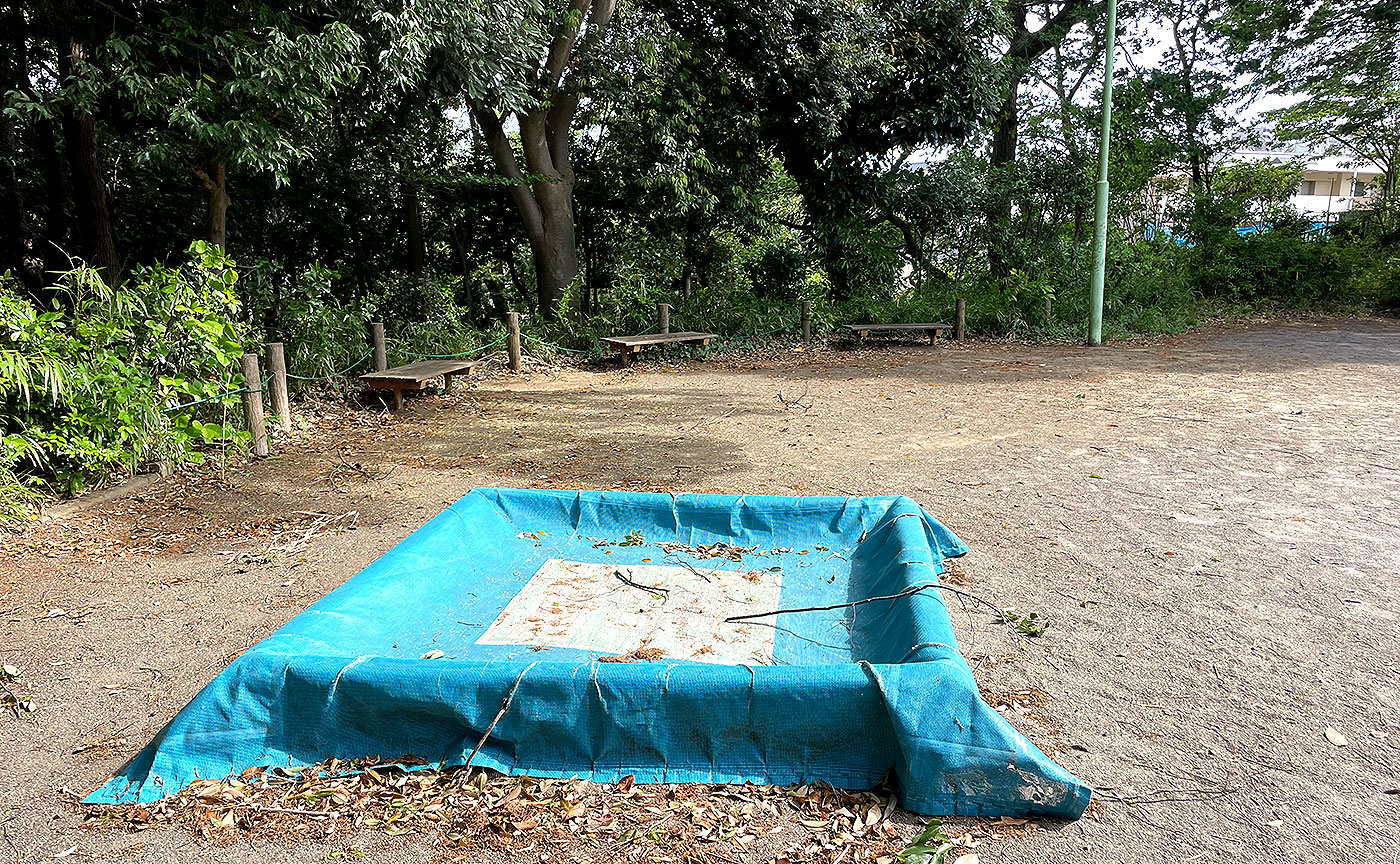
{"x": 167, "y": 339}
{"x": 931, "y": 846}
{"x": 320, "y": 333}
{"x": 1028, "y": 624}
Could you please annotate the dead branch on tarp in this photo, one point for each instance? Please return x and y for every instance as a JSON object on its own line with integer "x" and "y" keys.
{"x": 653, "y": 590}
{"x": 1016, "y": 623}
{"x": 505, "y": 706}
{"x": 907, "y": 592}
{"x": 694, "y": 571}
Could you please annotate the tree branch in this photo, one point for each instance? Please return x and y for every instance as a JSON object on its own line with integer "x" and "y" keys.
{"x": 498, "y": 145}
{"x": 1027, "y": 46}
{"x": 563, "y": 45}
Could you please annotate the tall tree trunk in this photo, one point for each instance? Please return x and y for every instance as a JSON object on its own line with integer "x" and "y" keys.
{"x": 56, "y": 201}
{"x": 413, "y": 227}
{"x": 470, "y": 293}
{"x": 555, "y": 250}
{"x": 1025, "y": 47}
{"x": 687, "y": 279}
{"x": 1004, "y": 140}
{"x": 587, "y": 258}
{"x": 498, "y": 290}
{"x": 216, "y": 183}
{"x": 99, "y": 244}
{"x": 514, "y": 283}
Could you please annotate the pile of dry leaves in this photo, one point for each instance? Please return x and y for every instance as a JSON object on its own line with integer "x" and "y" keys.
{"x": 471, "y": 811}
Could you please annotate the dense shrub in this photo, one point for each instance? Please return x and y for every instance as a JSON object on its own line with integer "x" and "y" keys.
{"x": 109, "y": 380}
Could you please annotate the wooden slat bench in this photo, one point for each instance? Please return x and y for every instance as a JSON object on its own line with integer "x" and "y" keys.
{"x": 933, "y": 328}
{"x": 415, "y": 376}
{"x": 630, "y": 345}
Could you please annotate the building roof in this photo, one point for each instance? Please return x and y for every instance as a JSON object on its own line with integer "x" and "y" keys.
{"x": 1312, "y": 161}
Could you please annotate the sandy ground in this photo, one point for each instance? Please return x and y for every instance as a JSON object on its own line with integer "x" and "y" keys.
{"x": 1211, "y": 525}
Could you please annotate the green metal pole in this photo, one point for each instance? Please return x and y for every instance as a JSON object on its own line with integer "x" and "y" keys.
{"x": 1101, "y": 197}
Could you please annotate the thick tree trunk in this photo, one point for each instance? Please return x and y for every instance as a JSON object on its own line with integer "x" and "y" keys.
{"x": 413, "y": 227}
{"x": 99, "y": 246}
{"x": 1025, "y": 47}
{"x": 555, "y": 249}
{"x": 1008, "y": 119}
{"x": 57, "y": 199}
{"x": 13, "y": 237}
{"x": 216, "y": 182}
{"x": 1004, "y": 140}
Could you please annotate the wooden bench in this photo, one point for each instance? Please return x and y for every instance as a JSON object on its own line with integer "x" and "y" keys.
{"x": 932, "y": 329}
{"x": 415, "y": 376}
{"x": 630, "y": 345}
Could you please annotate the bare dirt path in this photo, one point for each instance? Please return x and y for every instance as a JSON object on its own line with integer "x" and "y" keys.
{"x": 1211, "y": 524}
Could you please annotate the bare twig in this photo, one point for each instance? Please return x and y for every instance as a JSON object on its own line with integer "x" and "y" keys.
{"x": 505, "y": 705}
{"x": 795, "y": 403}
{"x": 907, "y": 592}
{"x": 653, "y": 590}
{"x": 687, "y": 565}
{"x": 913, "y": 589}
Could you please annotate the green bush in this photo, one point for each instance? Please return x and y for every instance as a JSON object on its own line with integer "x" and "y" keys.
{"x": 111, "y": 380}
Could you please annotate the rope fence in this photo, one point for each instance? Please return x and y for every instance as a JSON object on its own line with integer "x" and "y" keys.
{"x": 407, "y": 353}
{"x": 278, "y": 376}
{"x": 368, "y": 354}
{"x": 225, "y": 394}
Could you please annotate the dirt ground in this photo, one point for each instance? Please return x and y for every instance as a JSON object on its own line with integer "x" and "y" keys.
{"x": 1211, "y": 525}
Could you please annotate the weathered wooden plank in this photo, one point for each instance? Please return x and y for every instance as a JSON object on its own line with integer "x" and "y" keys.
{"x": 417, "y": 373}
{"x": 623, "y": 343}
{"x": 866, "y": 328}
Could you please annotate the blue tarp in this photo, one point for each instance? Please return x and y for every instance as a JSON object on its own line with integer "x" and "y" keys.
{"x": 844, "y": 695}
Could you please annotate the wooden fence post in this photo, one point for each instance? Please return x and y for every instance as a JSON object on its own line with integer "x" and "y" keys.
{"x": 252, "y": 404}
{"x": 960, "y": 325}
{"x": 376, "y": 339}
{"x": 277, "y": 393}
{"x": 513, "y": 343}
{"x": 663, "y": 317}
{"x": 806, "y": 320}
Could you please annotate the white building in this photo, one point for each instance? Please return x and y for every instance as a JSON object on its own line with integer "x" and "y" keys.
{"x": 1331, "y": 186}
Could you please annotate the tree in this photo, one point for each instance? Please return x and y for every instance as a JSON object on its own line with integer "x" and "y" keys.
{"x": 842, "y": 93}
{"x": 542, "y": 188}
{"x": 1344, "y": 60}
{"x": 219, "y": 84}
{"x": 56, "y": 88}
{"x": 1024, "y": 48}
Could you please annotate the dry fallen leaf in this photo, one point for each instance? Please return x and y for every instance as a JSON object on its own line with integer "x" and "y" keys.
{"x": 969, "y": 858}
{"x": 1335, "y": 737}
{"x": 434, "y": 654}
